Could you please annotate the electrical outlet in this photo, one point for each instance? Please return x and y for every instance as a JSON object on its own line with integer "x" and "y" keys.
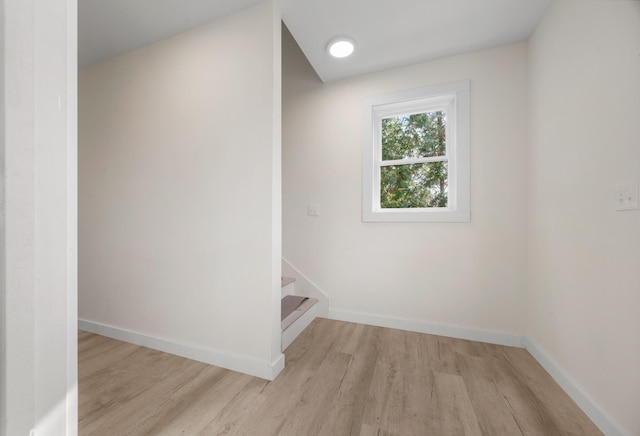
{"x": 313, "y": 210}
{"x": 627, "y": 196}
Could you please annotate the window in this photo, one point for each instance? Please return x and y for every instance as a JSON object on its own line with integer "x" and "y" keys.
{"x": 416, "y": 155}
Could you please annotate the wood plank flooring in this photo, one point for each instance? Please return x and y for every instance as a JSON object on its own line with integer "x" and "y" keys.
{"x": 340, "y": 379}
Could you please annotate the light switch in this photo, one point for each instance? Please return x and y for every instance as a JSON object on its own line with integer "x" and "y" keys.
{"x": 627, "y": 196}
{"x": 313, "y": 210}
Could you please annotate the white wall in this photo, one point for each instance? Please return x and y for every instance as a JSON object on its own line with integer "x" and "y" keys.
{"x": 38, "y": 208}
{"x": 584, "y": 299}
{"x": 180, "y": 191}
{"x": 470, "y": 275}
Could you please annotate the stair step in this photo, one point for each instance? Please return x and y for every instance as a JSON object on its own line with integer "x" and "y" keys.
{"x": 286, "y": 281}
{"x": 289, "y": 303}
{"x": 297, "y": 313}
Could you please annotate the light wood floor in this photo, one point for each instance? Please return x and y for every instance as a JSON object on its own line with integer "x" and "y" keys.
{"x": 340, "y": 379}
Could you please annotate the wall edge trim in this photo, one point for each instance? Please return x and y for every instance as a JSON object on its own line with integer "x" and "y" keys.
{"x": 223, "y": 359}
{"x": 599, "y": 417}
{"x": 469, "y": 333}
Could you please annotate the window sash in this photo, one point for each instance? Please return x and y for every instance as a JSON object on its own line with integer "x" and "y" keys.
{"x": 446, "y": 104}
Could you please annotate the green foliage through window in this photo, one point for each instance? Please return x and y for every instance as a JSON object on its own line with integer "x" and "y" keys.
{"x": 414, "y": 185}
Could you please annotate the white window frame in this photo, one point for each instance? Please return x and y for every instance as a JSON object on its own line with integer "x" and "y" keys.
{"x": 453, "y": 98}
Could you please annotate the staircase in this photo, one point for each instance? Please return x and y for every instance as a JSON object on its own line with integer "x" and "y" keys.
{"x": 298, "y": 320}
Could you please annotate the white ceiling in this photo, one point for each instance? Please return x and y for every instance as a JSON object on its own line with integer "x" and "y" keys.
{"x": 108, "y": 28}
{"x": 388, "y": 33}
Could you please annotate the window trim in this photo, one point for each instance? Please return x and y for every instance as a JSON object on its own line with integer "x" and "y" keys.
{"x": 455, "y": 95}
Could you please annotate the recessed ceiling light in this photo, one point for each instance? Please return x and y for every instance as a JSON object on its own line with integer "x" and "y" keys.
{"x": 341, "y": 47}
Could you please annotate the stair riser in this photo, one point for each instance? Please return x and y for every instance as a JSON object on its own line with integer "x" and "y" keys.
{"x": 288, "y": 290}
{"x": 298, "y": 326}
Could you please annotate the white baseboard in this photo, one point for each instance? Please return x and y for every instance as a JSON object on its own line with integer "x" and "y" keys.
{"x": 472, "y": 334}
{"x": 600, "y": 418}
{"x": 223, "y": 359}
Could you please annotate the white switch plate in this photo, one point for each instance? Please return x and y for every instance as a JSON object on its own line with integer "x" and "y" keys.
{"x": 627, "y": 196}
{"x": 313, "y": 210}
